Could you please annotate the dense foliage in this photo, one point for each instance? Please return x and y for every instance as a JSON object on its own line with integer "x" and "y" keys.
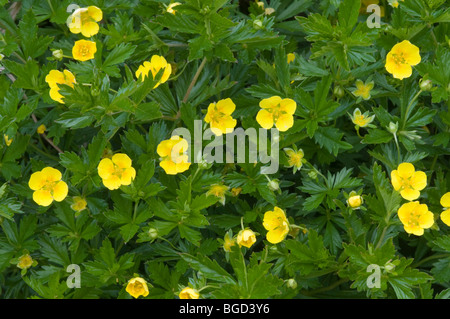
{"x": 90, "y": 93}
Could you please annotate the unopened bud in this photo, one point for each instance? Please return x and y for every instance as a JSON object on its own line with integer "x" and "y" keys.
{"x": 389, "y": 266}
{"x": 58, "y": 54}
{"x": 273, "y": 185}
{"x": 425, "y": 85}
{"x": 291, "y": 283}
{"x": 257, "y": 24}
{"x": 338, "y": 91}
{"x": 153, "y": 233}
{"x": 312, "y": 174}
{"x": 393, "y": 127}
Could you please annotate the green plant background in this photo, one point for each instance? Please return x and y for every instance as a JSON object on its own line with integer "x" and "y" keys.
{"x": 238, "y": 52}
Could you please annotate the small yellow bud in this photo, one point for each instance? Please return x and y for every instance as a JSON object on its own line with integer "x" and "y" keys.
{"x": 41, "y": 129}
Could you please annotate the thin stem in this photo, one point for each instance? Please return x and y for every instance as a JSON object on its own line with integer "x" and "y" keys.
{"x": 49, "y": 141}
{"x": 37, "y": 149}
{"x": 194, "y": 80}
{"x": 423, "y": 261}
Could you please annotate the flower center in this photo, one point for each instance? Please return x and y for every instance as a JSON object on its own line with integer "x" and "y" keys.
{"x": 399, "y": 58}
{"x": 295, "y": 159}
{"x": 360, "y": 120}
{"x": 138, "y": 287}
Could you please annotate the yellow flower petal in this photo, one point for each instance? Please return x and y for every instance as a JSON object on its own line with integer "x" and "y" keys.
{"x": 121, "y": 160}
{"x": 270, "y": 102}
{"x": 128, "y": 175}
{"x": 288, "y": 105}
{"x": 60, "y": 191}
{"x": 43, "y": 197}
{"x": 405, "y": 170}
{"x": 51, "y": 174}
{"x": 410, "y": 194}
{"x": 419, "y": 180}
{"x": 112, "y": 183}
{"x": 265, "y": 119}
{"x": 284, "y": 122}
{"x": 445, "y": 217}
{"x": 169, "y": 167}
{"x": 225, "y": 106}
{"x": 95, "y": 13}
{"x": 445, "y": 200}
{"x": 105, "y": 168}
{"x": 89, "y": 29}
{"x": 37, "y": 181}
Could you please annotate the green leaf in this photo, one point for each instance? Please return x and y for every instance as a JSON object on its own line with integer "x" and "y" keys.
{"x": 148, "y": 112}
{"x": 348, "y": 14}
{"x": 330, "y": 138}
{"x": 209, "y": 268}
{"x": 119, "y": 54}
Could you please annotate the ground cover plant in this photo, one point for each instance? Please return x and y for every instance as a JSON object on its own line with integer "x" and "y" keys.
{"x": 224, "y": 149}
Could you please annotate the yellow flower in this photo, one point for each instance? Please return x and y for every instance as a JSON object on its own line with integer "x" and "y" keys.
{"x": 408, "y": 181}
{"x": 55, "y": 77}
{"x": 235, "y": 191}
{"x": 290, "y": 57}
{"x": 354, "y": 200}
{"x": 48, "y": 186}
{"x": 25, "y": 261}
{"x": 84, "y": 50}
{"x": 218, "y": 191}
{"x": 219, "y": 117}
{"x": 85, "y": 20}
{"x": 295, "y": 158}
{"x": 155, "y": 65}
{"x": 174, "y": 159}
{"x": 189, "y": 293}
{"x": 394, "y": 3}
{"x": 445, "y": 202}
{"x": 278, "y": 111}
{"x": 8, "y": 140}
{"x": 277, "y": 225}
{"x": 361, "y": 120}
{"x": 170, "y": 7}
{"x": 246, "y": 238}
{"x": 79, "y": 204}
{"x": 137, "y": 287}
{"x": 399, "y": 60}
{"x": 363, "y": 89}
{"x": 415, "y": 217}
{"x": 116, "y": 171}
{"x": 228, "y": 242}
{"x": 41, "y": 129}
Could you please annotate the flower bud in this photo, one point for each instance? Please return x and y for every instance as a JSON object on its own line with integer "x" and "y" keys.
{"x": 257, "y": 24}
{"x": 58, "y": 54}
{"x": 393, "y": 128}
{"x": 425, "y": 85}
{"x": 312, "y": 174}
{"x": 389, "y": 266}
{"x": 338, "y": 91}
{"x": 273, "y": 185}
{"x": 291, "y": 283}
{"x": 153, "y": 233}
{"x": 355, "y": 201}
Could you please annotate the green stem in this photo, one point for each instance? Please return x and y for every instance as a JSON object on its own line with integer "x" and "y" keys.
{"x": 194, "y": 80}
{"x": 423, "y": 261}
{"x": 43, "y": 153}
